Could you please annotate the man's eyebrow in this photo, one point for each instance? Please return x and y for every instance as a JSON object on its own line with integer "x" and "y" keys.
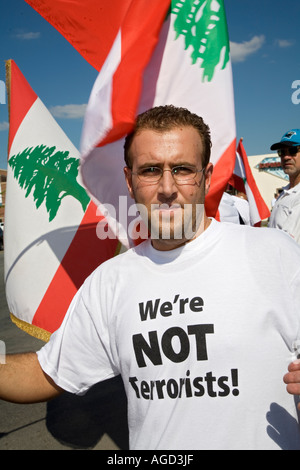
{"x": 148, "y": 164}
{"x": 172, "y": 165}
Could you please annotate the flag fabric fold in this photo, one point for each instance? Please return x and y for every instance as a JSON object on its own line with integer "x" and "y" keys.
{"x": 51, "y": 244}
{"x": 160, "y": 52}
{"x": 243, "y": 180}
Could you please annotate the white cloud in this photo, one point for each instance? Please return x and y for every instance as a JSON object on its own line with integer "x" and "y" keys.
{"x": 284, "y": 43}
{"x": 4, "y": 126}
{"x": 69, "y": 111}
{"x": 240, "y": 51}
{"x": 27, "y": 36}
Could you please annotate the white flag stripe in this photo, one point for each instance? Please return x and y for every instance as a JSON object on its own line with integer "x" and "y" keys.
{"x": 239, "y": 168}
{"x": 254, "y": 214}
{"x": 98, "y": 119}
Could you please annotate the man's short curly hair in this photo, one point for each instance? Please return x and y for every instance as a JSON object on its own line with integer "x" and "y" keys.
{"x": 164, "y": 118}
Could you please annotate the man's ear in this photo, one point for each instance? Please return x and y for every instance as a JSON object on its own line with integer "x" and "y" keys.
{"x": 128, "y": 178}
{"x": 208, "y": 174}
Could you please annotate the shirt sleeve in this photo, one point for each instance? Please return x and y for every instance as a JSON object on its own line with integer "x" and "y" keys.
{"x": 292, "y": 225}
{"x": 78, "y": 354}
{"x": 286, "y": 215}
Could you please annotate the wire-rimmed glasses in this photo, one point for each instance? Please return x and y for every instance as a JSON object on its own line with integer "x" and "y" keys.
{"x": 182, "y": 174}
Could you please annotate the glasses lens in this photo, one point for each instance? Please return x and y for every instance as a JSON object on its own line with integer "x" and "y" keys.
{"x": 151, "y": 174}
{"x": 292, "y": 151}
{"x": 183, "y": 173}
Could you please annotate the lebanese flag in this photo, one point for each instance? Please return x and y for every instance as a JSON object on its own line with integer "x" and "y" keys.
{"x": 50, "y": 238}
{"x": 242, "y": 180}
{"x": 148, "y": 53}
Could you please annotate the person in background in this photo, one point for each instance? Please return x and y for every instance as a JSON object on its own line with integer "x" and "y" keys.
{"x": 285, "y": 214}
{"x": 276, "y": 195}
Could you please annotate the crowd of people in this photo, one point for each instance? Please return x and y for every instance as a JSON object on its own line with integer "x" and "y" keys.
{"x": 201, "y": 328}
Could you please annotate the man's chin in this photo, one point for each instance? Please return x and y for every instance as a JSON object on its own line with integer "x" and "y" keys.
{"x": 174, "y": 222}
{"x": 171, "y": 232}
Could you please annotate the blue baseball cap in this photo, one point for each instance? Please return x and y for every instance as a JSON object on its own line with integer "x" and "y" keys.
{"x": 289, "y": 139}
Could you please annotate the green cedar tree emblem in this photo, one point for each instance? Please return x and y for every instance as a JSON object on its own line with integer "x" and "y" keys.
{"x": 51, "y": 175}
{"x": 203, "y": 24}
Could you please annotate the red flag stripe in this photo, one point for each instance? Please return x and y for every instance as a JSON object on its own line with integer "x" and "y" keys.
{"x": 260, "y": 203}
{"x": 221, "y": 174}
{"x": 135, "y": 55}
{"x": 73, "y": 21}
{"x": 238, "y": 183}
{"x": 20, "y": 98}
{"x": 85, "y": 253}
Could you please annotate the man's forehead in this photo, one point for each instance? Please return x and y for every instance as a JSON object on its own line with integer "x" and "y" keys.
{"x": 177, "y": 145}
{"x": 175, "y": 135}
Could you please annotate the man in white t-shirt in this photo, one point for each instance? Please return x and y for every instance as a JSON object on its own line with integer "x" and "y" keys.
{"x": 285, "y": 214}
{"x": 201, "y": 320}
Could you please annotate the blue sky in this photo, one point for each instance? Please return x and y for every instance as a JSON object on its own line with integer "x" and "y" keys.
{"x": 265, "y": 45}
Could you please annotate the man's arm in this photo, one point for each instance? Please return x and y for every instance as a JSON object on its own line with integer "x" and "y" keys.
{"x": 22, "y": 380}
{"x": 292, "y": 379}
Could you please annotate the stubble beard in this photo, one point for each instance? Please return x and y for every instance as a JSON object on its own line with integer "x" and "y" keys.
{"x": 174, "y": 222}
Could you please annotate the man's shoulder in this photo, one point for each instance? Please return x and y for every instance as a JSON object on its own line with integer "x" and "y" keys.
{"x": 261, "y": 235}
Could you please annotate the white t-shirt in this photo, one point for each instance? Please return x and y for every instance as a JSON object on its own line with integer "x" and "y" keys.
{"x": 285, "y": 214}
{"x": 202, "y": 336}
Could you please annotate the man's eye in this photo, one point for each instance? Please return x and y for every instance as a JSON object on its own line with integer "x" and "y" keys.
{"x": 150, "y": 171}
{"x": 183, "y": 170}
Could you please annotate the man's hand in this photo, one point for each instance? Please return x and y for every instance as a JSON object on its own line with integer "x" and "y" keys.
{"x": 292, "y": 379}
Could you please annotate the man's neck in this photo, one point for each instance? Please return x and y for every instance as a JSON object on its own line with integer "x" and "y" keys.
{"x": 294, "y": 181}
{"x": 172, "y": 244}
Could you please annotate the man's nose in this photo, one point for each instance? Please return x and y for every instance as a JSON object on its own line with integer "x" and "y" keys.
{"x": 286, "y": 157}
{"x": 167, "y": 183}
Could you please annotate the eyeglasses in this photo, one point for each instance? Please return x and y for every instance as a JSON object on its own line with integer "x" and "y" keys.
{"x": 291, "y": 151}
{"x": 182, "y": 174}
